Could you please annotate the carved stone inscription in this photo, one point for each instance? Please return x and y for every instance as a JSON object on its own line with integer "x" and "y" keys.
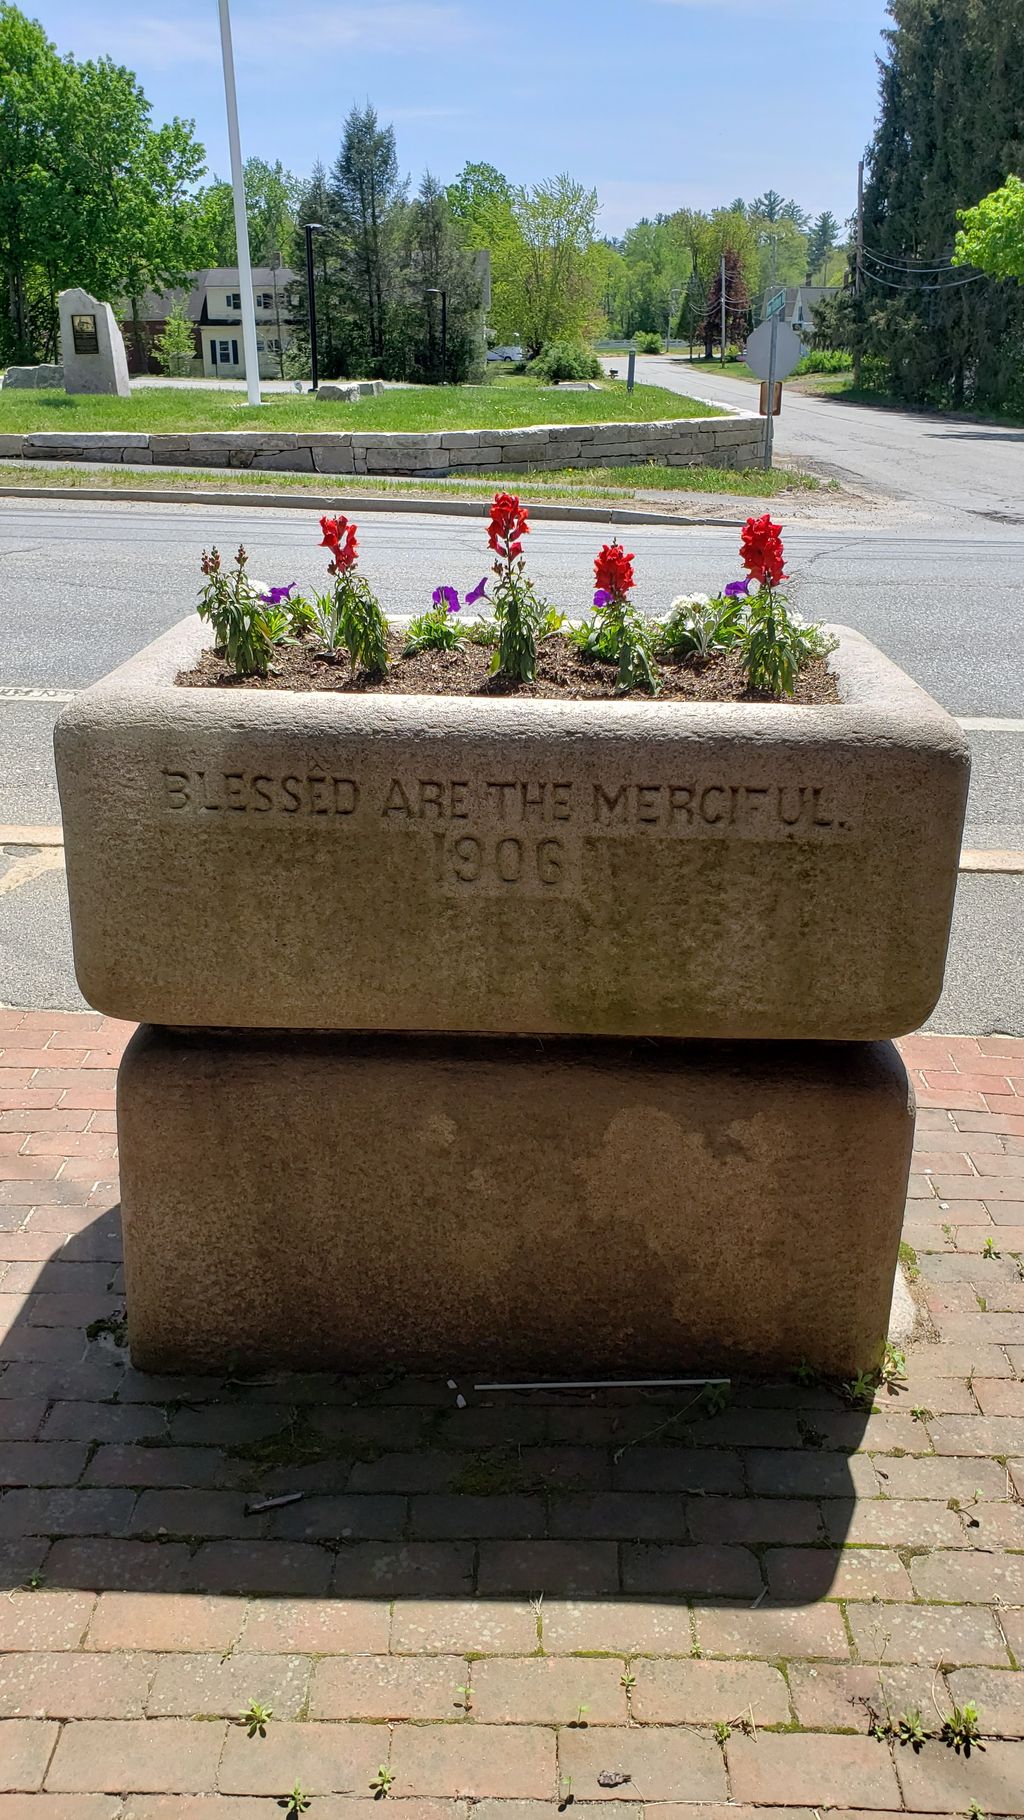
{"x": 498, "y": 835}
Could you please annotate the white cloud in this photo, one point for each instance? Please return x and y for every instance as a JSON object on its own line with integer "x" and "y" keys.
{"x": 267, "y": 35}
{"x": 321, "y": 31}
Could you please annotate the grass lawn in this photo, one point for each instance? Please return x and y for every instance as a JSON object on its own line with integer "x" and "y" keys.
{"x": 620, "y": 486}
{"x": 510, "y": 403}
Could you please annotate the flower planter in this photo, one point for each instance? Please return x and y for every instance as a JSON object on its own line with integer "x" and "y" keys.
{"x": 266, "y": 859}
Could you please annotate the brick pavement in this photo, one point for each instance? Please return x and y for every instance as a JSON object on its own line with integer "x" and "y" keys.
{"x": 502, "y": 1604}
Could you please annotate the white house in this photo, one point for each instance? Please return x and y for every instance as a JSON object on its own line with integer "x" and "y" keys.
{"x": 801, "y": 302}
{"x": 215, "y": 305}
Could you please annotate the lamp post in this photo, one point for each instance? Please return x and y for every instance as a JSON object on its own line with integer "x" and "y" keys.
{"x": 252, "y": 361}
{"x": 312, "y": 227}
{"x": 434, "y": 290}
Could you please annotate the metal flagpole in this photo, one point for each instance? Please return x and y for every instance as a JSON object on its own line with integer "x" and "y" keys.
{"x": 252, "y": 362}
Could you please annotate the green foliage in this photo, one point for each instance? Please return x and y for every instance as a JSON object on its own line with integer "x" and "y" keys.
{"x": 296, "y": 1802}
{"x": 256, "y": 1718}
{"x": 434, "y": 630}
{"x": 824, "y": 360}
{"x": 648, "y": 341}
{"x": 175, "y": 348}
{"x": 992, "y": 236}
{"x": 988, "y": 1250}
{"x": 381, "y": 1784}
{"x": 349, "y": 617}
{"x": 271, "y": 200}
{"x": 520, "y": 617}
{"x": 244, "y": 630}
{"x": 715, "y": 1399}
{"x": 701, "y": 628}
{"x": 566, "y": 360}
{"x": 961, "y": 1729}
{"x": 775, "y": 645}
{"x": 893, "y": 1369}
{"x": 91, "y": 193}
{"x": 619, "y": 634}
{"x": 820, "y": 244}
{"x": 910, "y": 1729}
{"x": 949, "y": 129}
{"x": 860, "y": 1391}
{"x": 722, "y": 1731}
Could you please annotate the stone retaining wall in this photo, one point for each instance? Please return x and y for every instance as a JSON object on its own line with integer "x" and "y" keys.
{"x": 721, "y": 442}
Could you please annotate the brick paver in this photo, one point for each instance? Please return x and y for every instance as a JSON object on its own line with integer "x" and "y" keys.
{"x": 511, "y": 1607}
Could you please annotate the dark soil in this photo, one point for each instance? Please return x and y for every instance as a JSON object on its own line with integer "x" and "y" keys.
{"x": 561, "y": 674}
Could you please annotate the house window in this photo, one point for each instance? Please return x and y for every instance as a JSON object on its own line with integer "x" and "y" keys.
{"x": 264, "y": 301}
{"x": 225, "y": 353}
{"x": 259, "y": 346}
{"x": 273, "y": 344}
{"x": 234, "y": 300}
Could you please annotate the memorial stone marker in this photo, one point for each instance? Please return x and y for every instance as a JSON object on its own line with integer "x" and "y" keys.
{"x": 92, "y": 346}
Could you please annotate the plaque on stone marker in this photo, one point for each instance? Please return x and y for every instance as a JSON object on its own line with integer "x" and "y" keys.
{"x": 83, "y": 329}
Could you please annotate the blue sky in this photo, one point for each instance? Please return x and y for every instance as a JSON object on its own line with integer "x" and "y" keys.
{"x": 657, "y": 103}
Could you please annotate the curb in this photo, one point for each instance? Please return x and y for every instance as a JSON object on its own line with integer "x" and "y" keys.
{"x": 446, "y": 508}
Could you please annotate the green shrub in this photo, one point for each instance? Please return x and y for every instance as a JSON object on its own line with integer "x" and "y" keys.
{"x": 648, "y": 341}
{"x": 824, "y": 360}
{"x": 566, "y": 360}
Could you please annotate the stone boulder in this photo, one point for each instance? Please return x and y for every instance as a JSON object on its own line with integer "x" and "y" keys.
{"x": 23, "y": 379}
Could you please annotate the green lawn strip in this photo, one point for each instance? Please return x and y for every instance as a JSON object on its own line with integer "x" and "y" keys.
{"x": 506, "y": 404}
{"x": 841, "y": 387}
{"x": 583, "y": 485}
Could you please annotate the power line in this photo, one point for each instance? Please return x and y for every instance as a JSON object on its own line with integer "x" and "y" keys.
{"x": 917, "y": 290}
{"x": 906, "y": 265}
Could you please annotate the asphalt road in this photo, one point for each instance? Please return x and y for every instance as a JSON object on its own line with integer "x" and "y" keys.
{"x": 943, "y": 466}
{"x": 84, "y": 586}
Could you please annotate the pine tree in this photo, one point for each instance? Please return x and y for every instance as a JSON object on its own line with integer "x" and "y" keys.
{"x": 950, "y": 127}
{"x": 820, "y": 243}
{"x": 366, "y": 190}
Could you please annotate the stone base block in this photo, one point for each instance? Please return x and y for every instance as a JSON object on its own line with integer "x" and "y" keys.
{"x": 563, "y": 1208}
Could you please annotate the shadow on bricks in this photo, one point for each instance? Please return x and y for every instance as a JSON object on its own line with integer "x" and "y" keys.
{"x": 307, "y": 1487}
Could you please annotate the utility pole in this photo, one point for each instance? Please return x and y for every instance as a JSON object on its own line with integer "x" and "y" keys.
{"x": 859, "y": 268}
{"x": 721, "y": 284}
{"x": 252, "y": 360}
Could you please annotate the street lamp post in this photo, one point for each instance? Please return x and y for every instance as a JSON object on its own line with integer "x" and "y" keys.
{"x": 312, "y": 227}
{"x": 434, "y": 291}
{"x": 252, "y": 362}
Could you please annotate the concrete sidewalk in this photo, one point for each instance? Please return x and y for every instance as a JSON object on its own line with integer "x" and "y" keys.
{"x": 522, "y": 1605}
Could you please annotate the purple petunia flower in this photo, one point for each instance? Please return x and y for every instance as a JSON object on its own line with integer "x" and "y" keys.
{"x": 603, "y": 598}
{"x": 477, "y": 593}
{"x": 274, "y": 596}
{"x": 736, "y": 588}
{"x": 449, "y": 597}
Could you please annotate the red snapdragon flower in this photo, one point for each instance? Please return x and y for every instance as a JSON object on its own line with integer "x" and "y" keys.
{"x": 339, "y": 536}
{"x": 508, "y": 525}
{"x": 613, "y": 569}
{"x": 761, "y": 551}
